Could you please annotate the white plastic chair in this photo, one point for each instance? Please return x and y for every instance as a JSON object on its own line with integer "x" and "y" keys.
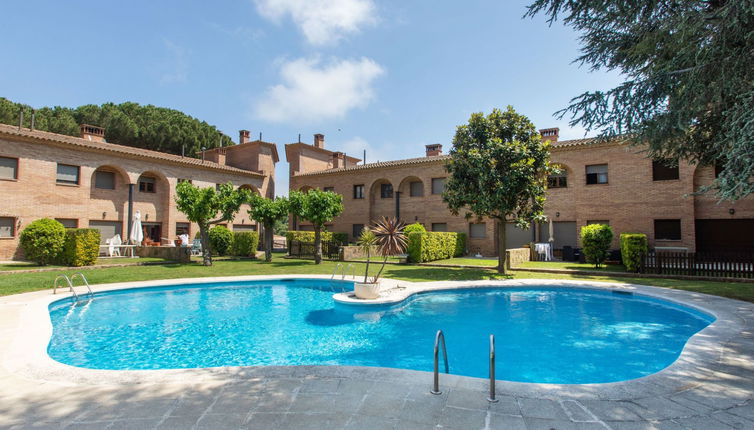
{"x": 114, "y": 244}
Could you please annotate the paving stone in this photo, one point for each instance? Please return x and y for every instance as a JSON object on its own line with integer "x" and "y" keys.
{"x": 645, "y": 425}
{"x": 746, "y": 411}
{"x": 380, "y": 405}
{"x": 468, "y": 399}
{"x": 735, "y": 421}
{"x": 506, "y": 422}
{"x": 192, "y": 406}
{"x": 366, "y": 422}
{"x": 305, "y": 402}
{"x": 542, "y": 408}
{"x": 660, "y": 408}
{"x": 576, "y": 411}
{"x": 320, "y": 386}
{"x": 463, "y": 418}
{"x": 234, "y": 404}
{"x": 354, "y": 387}
{"x": 607, "y": 410}
{"x": 507, "y": 405}
{"x": 179, "y": 423}
{"x": 135, "y": 424}
{"x": 264, "y": 421}
{"x": 221, "y": 421}
{"x": 314, "y": 421}
{"x": 35, "y": 426}
{"x": 702, "y": 423}
{"x": 545, "y": 424}
{"x": 420, "y": 412}
{"x": 274, "y": 402}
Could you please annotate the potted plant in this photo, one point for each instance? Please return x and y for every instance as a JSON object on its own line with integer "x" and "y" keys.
{"x": 387, "y": 236}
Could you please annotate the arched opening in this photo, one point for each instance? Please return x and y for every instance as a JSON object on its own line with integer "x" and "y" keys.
{"x": 108, "y": 202}
{"x": 381, "y": 199}
{"x": 152, "y": 199}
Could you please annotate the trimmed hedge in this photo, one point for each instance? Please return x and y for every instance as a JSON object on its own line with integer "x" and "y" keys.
{"x": 595, "y": 242}
{"x": 414, "y": 227}
{"x": 431, "y": 246}
{"x": 81, "y": 247}
{"x": 633, "y": 246}
{"x": 308, "y": 237}
{"x": 42, "y": 241}
{"x": 245, "y": 243}
{"x": 220, "y": 240}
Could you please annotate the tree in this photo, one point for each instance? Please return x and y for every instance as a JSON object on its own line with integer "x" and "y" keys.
{"x": 318, "y": 207}
{"x": 689, "y": 87}
{"x": 207, "y": 206}
{"x": 498, "y": 169}
{"x": 129, "y": 124}
{"x": 268, "y": 212}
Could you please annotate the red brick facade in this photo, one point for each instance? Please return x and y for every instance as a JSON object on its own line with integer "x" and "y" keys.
{"x": 36, "y": 193}
{"x": 631, "y": 200}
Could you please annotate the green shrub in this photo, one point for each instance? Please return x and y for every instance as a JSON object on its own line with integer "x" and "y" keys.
{"x": 431, "y": 246}
{"x": 42, "y": 241}
{"x": 81, "y": 247}
{"x": 414, "y": 227}
{"x": 633, "y": 246}
{"x": 308, "y": 237}
{"x": 245, "y": 243}
{"x": 595, "y": 243}
{"x": 220, "y": 240}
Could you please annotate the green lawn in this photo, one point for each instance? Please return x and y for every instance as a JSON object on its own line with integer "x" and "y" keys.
{"x": 571, "y": 266}
{"x": 22, "y": 265}
{"x": 461, "y": 261}
{"x": 23, "y": 282}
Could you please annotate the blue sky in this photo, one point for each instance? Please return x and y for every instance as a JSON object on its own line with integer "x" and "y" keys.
{"x": 385, "y": 76}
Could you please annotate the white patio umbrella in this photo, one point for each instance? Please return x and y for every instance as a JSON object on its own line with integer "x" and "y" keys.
{"x": 136, "y": 234}
{"x": 552, "y": 232}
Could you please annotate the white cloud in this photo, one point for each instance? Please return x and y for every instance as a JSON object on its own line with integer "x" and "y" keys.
{"x": 321, "y": 21}
{"x": 312, "y": 91}
{"x": 572, "y": 132}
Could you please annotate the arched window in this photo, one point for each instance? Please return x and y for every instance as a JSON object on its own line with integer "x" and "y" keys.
{"x": 558, "y": 180}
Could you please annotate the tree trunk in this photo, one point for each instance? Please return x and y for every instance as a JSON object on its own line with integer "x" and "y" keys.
{"x": 206, "y": 252}
{"x": 317, "y": 244}
{"x": 501, "y": 247}
{"x": 268, "y": 242}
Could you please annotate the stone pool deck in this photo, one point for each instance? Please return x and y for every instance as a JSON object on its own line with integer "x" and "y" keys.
{"x": 709, "y": 387}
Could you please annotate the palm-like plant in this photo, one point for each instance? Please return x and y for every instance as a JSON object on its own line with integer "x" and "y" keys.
{"x": 389, "y": 238}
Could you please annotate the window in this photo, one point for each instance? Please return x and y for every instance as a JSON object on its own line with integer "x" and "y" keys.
{"x": 596, "y": 174}
{"x": 217, "y": 187}
{"x": 604, "y": 222}
{"x": 8, "y": 168}
{"x": 104, "y": 180}
{"x": 185, "y": 180}
{"x": 558, "y": 180}
{"x": 439, "y": 226}
{"x": 7, "y": 227}
{"x": 667, "y": 229}
{"x": 416, "y": 189}
{"x": 358, "y": 191}
{"x": 438, "y": 185}
{"x": 718, "y": 170}
{"x": 478, "y": 230}
{"x": 356, "y": 231}
{"x": 662, "y": 170}
{"x": 68, "y": 174}
{"x": 386, "y": 191}
{"x": 146, "y": 184}
{"x": 68, "y": 222}
{"x": 330, "y": 189}
{"x": 183, "y": 228}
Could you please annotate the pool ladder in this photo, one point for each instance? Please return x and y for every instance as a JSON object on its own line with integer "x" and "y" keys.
{"x": 343, "y": 271}
{"x": 76, "y": 297}
{"x": 440, "y": 341}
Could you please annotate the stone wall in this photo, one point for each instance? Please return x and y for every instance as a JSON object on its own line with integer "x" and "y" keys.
{"x": 515, "y": 256}
{"x": 173, "y": 253}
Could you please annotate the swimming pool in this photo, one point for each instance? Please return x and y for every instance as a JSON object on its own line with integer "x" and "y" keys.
{"x": 543, "y": 334}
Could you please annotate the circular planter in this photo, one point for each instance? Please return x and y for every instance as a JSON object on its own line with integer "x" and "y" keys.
{"x": 367, "y": 291}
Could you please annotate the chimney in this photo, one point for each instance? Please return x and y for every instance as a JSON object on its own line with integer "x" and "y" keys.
{"x": 92, "y": 132}
{"x": 319, "y": 141}
{"x": 550, "y": 134}
{"x": 243, "y": 136}
{"x": 434, "y": 150}
{"x": 338, "y": 160}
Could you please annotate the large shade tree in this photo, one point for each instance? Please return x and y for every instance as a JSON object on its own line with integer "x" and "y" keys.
{"x": 689, "y": 79}
{"x": 318, "y": 207}
{"x": 498, "y": 169}
{"x": 207, "y": 206}
{"x": 268, "y": 212}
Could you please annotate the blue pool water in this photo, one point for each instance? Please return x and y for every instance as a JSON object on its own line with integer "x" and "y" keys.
{"x": 557, "y": 335}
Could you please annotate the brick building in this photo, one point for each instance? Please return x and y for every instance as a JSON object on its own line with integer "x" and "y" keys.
{"x": 87, "y": 182}
{"x": 601, "y": 182}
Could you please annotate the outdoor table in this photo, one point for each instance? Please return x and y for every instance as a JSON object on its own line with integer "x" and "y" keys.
{"x": 129, "y": 249}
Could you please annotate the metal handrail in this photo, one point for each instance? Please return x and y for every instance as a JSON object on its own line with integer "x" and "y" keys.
{"x": 86, "y": 283}
{"x": 353, "y": 271}
{"x": 438, "y": 337}
{"x": 335, "y": 272}
{"x": 492, "y": 398}
{"x": 70, "y": 286}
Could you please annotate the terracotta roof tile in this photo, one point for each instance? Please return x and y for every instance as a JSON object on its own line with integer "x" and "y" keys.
{"x": 9, "y": 130}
